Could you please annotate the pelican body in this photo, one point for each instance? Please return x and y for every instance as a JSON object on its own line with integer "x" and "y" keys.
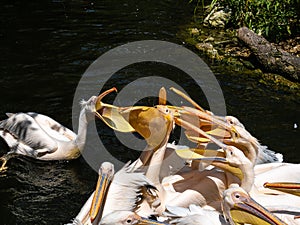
{"x": 40, "y": 137}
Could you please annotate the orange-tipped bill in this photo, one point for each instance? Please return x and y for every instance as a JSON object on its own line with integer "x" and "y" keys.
{"x": 97, "y": 206}
{"x": 111, "y": 115}
{"x": 102, "y": 95}
{"x": 288, "y": 187}
{"x": 183, "y": 95}
{"x": 196, "y": 129}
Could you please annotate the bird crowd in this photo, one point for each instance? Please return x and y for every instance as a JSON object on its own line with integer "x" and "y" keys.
{"x": 224, "y": 176}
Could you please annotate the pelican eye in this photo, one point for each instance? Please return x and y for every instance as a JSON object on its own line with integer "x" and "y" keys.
{"x": 128, "y": 221}
{"x": 237, "y": 196}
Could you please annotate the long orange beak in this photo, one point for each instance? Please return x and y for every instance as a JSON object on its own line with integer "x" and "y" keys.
{"x": 288, "y": 187}
{"x": 102, "y": 95}
{"x": 251, "y": 212}
{"x": 196, "y": 129}
{"x": 247, "y": 211}
{"x": 97, "y": 206}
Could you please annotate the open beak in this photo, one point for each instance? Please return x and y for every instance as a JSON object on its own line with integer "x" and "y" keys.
{"x": 223, "y": 164}
{"x": 110, "y": 114}
{"x": 102, "y": 95}
{"x": 203, "y": 114}
{"x": 288, "y": 187}
{"x": 196, "y": 129}
{"x": 97, "y": 206}
{"x": 249, "y": 211}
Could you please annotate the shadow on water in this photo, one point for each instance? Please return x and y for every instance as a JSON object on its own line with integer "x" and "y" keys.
{"x": 45, "y": 48}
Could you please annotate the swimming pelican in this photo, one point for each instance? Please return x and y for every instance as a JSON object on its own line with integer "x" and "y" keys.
{"x": 40, "y": 137}
{"x": 240, "y": 208}
{"x": 124, "y": 191}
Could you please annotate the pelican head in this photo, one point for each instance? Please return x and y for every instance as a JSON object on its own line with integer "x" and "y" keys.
{"x": 235, "y": 157}
{"x": 107, "y": 169}
{"x": 126, "y": 218}
{"x": 234, "y": 121}
{"x": 240, "y": 208}
{"x": 234, "y": 162}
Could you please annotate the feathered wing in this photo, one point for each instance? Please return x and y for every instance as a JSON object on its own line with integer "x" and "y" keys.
{"x": 52, "y": 127}
{"x": 127, "y": 190}
{"x": 27, "y": 133}
{"x": 266, "y": 155}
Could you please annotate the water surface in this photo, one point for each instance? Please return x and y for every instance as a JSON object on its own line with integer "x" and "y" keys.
{"x": 45, "y": 48}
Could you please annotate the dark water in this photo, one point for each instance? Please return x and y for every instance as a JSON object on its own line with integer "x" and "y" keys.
{"x": 45, "y": 48}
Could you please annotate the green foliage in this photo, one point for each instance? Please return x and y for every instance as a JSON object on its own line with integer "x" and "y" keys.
{"x": 274, "y": 19}
{"x": 271, "y": 18}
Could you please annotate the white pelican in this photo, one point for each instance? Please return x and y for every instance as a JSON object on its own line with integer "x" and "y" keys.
{"x": 239, "y": 136}
{"x": 240, "y": 208}
{"x": 41, "y": 137}
{"x": 166, "y": 193}
{"x": 127, "y": 191}
{"x": 285, "y": 205}
{"x": 241, "y": 167}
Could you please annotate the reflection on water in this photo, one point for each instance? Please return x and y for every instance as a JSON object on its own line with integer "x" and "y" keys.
{"x": 45, "y": 48}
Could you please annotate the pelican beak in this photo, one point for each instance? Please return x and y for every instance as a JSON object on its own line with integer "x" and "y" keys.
{"x": 100, "y": 193}
{"x": 215, "y": 157}
{"x": 145, "y": 221}
{"x": 99, "y": 105}
{"x": 291, "y": 188}
{"x": 101, "y": 96}
{"x": 183, "y": 95}
{"x": 162, "y": 96}
{"x": 110, "y": 114}
{"x": 196, "y": 129}
{"x": 249, "y": 211}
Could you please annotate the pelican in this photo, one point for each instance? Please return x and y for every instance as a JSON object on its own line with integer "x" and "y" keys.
{"x": 240, "y": 208}
{"x": 91, "y": 208}
{"x": 40, "y": 137}
{"x": 240, "y": 166}
{"x": 239, "y": 136}
{"x": 124, "y": 191}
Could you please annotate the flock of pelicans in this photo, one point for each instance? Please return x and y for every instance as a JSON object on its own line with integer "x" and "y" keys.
{"x": 169, "y": 184}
